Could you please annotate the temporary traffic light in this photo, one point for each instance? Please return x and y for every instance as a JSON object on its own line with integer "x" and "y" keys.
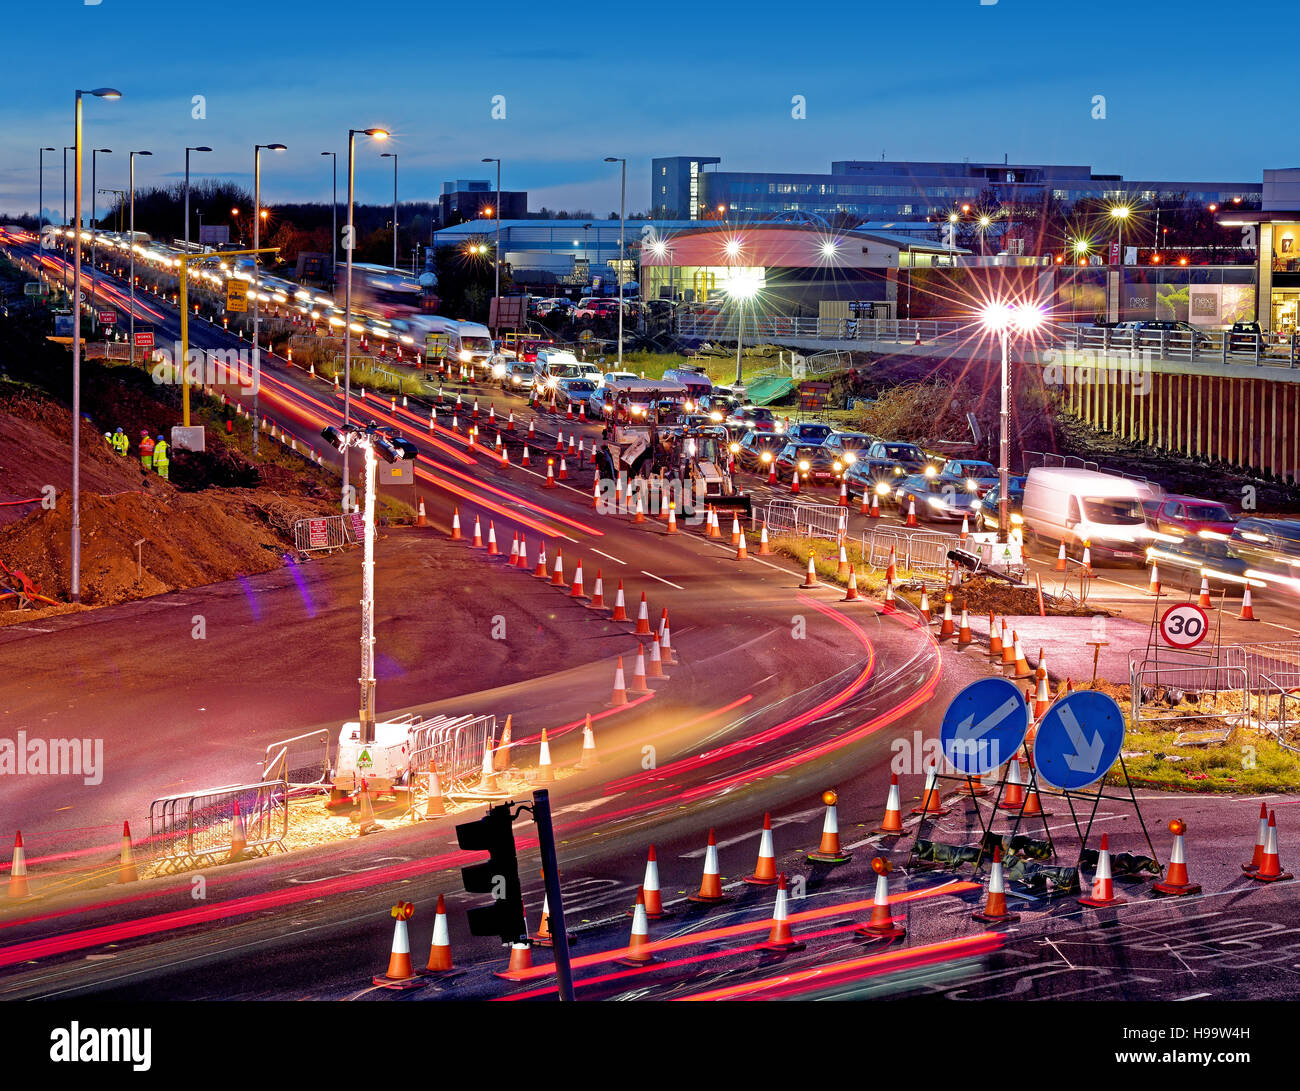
{"x": 498, "y": 876}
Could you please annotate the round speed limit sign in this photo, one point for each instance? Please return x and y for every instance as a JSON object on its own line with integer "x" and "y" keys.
{"x": 1184, "y": 625}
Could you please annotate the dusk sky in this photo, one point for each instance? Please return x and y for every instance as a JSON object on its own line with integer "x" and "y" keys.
{"x": 1187, "y": 88}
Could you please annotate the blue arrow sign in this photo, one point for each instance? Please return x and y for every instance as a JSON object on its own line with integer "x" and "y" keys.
{"x": 984, "y": 726}
{"x": 1078, "y": 740}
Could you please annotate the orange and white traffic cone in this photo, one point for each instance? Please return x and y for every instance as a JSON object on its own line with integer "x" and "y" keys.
{"x": 1204, "y": 601}
{"x": 736, "y": 534}
{"x": 875, "y": 506}
{"x": 1103, "y": 885}
{"x": 1087, "y": 559}
{"x": 947, "y": 629}
{"x": 882, "y": 924}
{"x": 995, "y": 639}
{"x": 435, "y": 805}
{"x": 844, "y": 494}
{"x": 889, "y": 605}
{"x": 521, "y": 961}
{"x": 1260, "y": 840}
{"x": 18, "y": 886}
{"x": 563, "y": 475}
{"x": 478, "y": 533}
{"x": 995, "y": 906}
{"x": 711, "y": 527}
{"x": 1008, "y": 647}
{"x": 911, "y": 512}
{"x": 829, "y": 851}
{"x": 455, "y": 525}
{"x": 666, "y": 646}
{"x": 742, "y": 549}
{"x": 672, "y": 518}
{"x": 557, "y": 574}
{"x": 1176, "y": 881}
{"x": 1042, "y": 696}
{"x": 1021, "y": 667}
{"x": 638, "y": 685}
{"x": 931, "y": 802}
{"x": 1033, "y": 805}
{"x": 588, "y": 759}
{"x": 639, "y": 515}
{"x": 544, "y": 937}
{"x": 239, "y": 838}
{"x": 779, "y": 937}
{"x": 1270, "y": 867}
{"x": 549, "y": 483}
{"x": 810, "y": 580}
{"x": 842, "y": 569}
{"x": 126, "y": 870}
{"x": 526, "y": 459}
{"x": 710, "y": 891}
{"x": 492, "y": 549}
{"x": 851, "y": 593}
{"x": 863, "y": 507}
{"x": 440, "y": 948}
{"x": 963, "y": 630}
{"x": 653, "y": 898}
{"x": 891, "y": 569}
{"x": 401, "y": 974}
{"x": 421, "y": 519}
{"x": 620, "y": 687}
{"x": 1013, "y": 797}
{"x": 1061, "y": 563}
{"x": 598, "y": 593}
{"x": 620, "y": 607}
{"x": 764, "y": 548}
{"x": 595, "y": 493}
{"x": 794, "y": 483}
{"x": 513, "y": 561}
{"x": 655, "y": 664}
{"x": 488, "y": 784}
{"x": 636, "y": 953}
{"x": 545, "y": 773}
{"x": 1153, "y": 586}
{"x": 765, "y": 869}
{"x": 893, "y": 820}
{"x": 576, "y": 591}
{"x": 642, "y": 618}
{"x": 1247, "y": 613}
{"x": 965, "y": 529}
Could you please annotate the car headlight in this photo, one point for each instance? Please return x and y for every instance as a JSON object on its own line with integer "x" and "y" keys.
{"x": 803, "y": 464}
{"x": 687, "y": 405}
{"x": 838, "y": 466}
{"x": 514, "y": 380}
{"x": 735, "y": 448}
{"x": 935, "y": 501}
{"x": 898, "y": 469}
{"x": 498, "y": 370}
{"x": 850, "y": 458}
{"x": 1017, "y": 520}
{"x": 972, "y": 484}
{"x": 930, "y": 471}
{"x": 464, "y": 356}
{"x": 716, "y": 417}
{"x": 766, "y": 456}
{"x": 882, "y": 489}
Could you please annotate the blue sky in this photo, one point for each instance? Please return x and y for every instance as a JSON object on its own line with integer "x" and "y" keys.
{"x": 1189, "y": 89}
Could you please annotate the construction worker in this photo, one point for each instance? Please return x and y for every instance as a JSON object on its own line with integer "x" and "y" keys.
{"x": 160, "y": 459}
{"x": 146, "y": 451}
{"x": 120, "y": 442}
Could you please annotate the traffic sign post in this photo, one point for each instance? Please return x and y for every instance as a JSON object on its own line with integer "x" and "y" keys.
{"x": 984, "y": 726}
{"x": 1184, "y": 625}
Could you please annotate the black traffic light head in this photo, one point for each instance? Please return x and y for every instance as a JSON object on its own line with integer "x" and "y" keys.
{"x": 498, "y": 876}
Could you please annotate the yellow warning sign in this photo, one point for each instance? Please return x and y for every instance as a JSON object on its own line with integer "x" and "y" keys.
{"x": 236, "y": 295}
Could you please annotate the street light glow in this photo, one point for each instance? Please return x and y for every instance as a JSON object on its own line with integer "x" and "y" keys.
{"x": 998, "y": 316}
{"x": 1121, "y": 212}
{"x": 732, "y": 247}
{"x": 741, "y": 287}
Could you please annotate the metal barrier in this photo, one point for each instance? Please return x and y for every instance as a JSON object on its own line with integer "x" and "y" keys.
{"x": 324, "y": 532}
{"x": 805, "y": 520}
{"x": 200, "y": 825}
{"x": 306, "y": 760}
{"x": 923, "y": 554}
{"x": 1187, "y": 679}
{"x": 455, "y": 744}
{"x": 1273, "y": 675}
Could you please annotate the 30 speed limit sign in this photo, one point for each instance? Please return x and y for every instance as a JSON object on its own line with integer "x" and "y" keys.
{"x": 1184, "y": 625}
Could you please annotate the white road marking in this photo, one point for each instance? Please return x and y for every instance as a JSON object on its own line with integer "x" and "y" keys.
{"x": 1194, "y": 996}
{"x": 662, "y": 580}
{"x": 606, "y": 555}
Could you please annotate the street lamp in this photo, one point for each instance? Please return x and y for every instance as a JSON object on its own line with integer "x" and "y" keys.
{"x": 94, "y": 277}
{"x": 196, "y": 148}
{"x": 257, "y": 315}
{"x": 74, "y": 585}
{"x": 393, "y": 157}
{"x": 1120, "y": 213}
{"x": 130, "y": 341}
{"x": 741, "y": 289}
{"x": 622, "y": 225}
{"x": 377, "y": 134}
{"x": 334, "y": 213}
{"x": 496, "y": 256}
{"x": 999, "y": 318}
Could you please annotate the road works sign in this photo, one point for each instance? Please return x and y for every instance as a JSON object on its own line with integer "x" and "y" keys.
{"x": 144, "y": 339}
{"x": 984, "y": 726}
{"x": 1184, "y": 625}
{"x": 236, "y": 295}
{"x": 1078, "y": 740}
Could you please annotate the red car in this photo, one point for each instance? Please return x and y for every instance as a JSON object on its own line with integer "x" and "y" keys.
{"x": 1188, "y": 516}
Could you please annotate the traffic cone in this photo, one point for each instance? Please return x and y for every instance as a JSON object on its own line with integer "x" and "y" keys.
{"x": 1033, "y": 805}
{"x": 995, "y": 906}
{"x": 1087, "y": 559}
{"x": 891, "y": 569}
{"x": 710, "y": 891}
{"x": 1176, "y": 881}
{"x": 588, "y": 758}
{"x": 455, "y": 525}
{"x": 651, "y": 895}
{"x": 549, "y": 483}
{"x": 543, "y": 937}
{"x": 1008, "y": 647}
{"x": 639, "y": 514}
{"x": 1103, "y": 885}
{"x": 1061, "y": 563}
{"x": 637, "y": 955}
{"x": 401, "y": 974}
{"x": 811, "y": 579}
{"x": 239, "y": 839}
{"x": 526, "y": 458}
{"x": 532, "y": 431}
{"x": 1153, "y": 587}
{"x": 946, "y": 629}
{"x": 711, "y": 528}
{"x": 435, "y": 805}
{"x": 829, "y": 851}
{"x": 364, "y": 818}
{"x": 742, "y": 549}
{"x": 620, "y": 687}
{"x": 875, "y": 506}
{"x": 126, "y": 871}
{"x": 963, "y": 630}
{"x": 642, "y": 619}
{"x": 1204, "y": 602}
{"x": 881, "y": 925}
{"x": 540, "y": 573}
{"x": 521, "y": 960}
{"x": 666, "y": 647}
{"x": 1013, "y": 798}
{"x": 421, "y": 519}
{"x": 764, "y": 550}
{"x": 492, "y": 549}
{"x": 911, "y": 512}
{"x": 765, "y": 869}
{"x": 771, "y": 473}
{"x": 779, "y": 937}
{"x": 889, "y": 606}
{"x": 501, "y": 753}
{"x": 576, "y": 591}
{"x": 510, "y": 422}
{"x": 654, "y": 666}
{"x": 620, "y": 609}
{"x": 559, "y": 442}
{"x": 478, "y": 533}
{"x": 595, "y": 492}
{"x": 1247, "y": 613}
{"x": 488, "y": 784}
{"x": 925, "y": 606}
{"x": 1270, "y": 867}
{"x": 851, "y": 594}
{"x": 965, "y": 529}
{"x": 893, "y": 820}
{"x": 842, "y": 568}
{"x": 1260, "y": 839}
{"x": 930, "y": 798}
{"x": 563, "y": 475}
{"x": 1021, "y": 665}
{"x": 638, "y": 685}
{"x": 995, "y": 640}
{"x": 18, "y": 887}
{"x": 1042, "y": 696}
{"x": 598, "y": 593}
{"x": 736, "y": 534}
{"x": 545, "y": 772}
{"x": 513, "y": 562}
{"x": 672, "y": 518}
{"x": 440, "y": 948}
{"x": 522, "y": 563}
{"x": 794, "y": 483}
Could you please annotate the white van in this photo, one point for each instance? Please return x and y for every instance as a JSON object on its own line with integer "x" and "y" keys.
{"x": 1083, "y": 506}
{"x": 466, "y": 342}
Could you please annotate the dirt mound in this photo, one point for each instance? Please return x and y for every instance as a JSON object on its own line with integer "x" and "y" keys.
{"x": 983, "y": 595}
{"x": 189, "y": 539}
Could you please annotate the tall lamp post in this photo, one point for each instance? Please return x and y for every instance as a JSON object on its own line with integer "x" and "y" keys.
{"x": 377, "y": 134}
{"x": 1001, "y": 318}
{"x": 74, "y": 585}
{"x": 94, "y": 238}
{"x": 393, "y": 157}
{"x": 334, "y": 213}
{"x": 741, "y": 289}
{"x": 196, "y": 148}
{"x": 1120, "y": 213}
{"x": 622, "y": 245}
{"x": 130, "y": 160}
{"x": 496, "y": 255}
{"x": 257, "y": 316}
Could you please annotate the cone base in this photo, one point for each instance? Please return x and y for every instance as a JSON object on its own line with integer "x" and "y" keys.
{"x": 1175, "y": 889}
{"x": 781, "y": 948}
{"x": 754, "y": 880}
{"x": 443, "y": 975}
{"x": 830, "y": 857}
{"x": 980, "y": 792}
{"x": 704, "y": 899}
{"x": 662, "y": 915}
{"x": 1007, "y": 806}
{"x": 1268, "y": 878}
{"x": 880, "y": 931}
{"x": 1101, "y": 903}
{"x": 386, "y": 982}
{"x": 633, "y": 961}
{"x": 889, "y": 832}
{"x": 935, "y": 811}
{"x": 548, "y": 940}
{"x": 995, "y": 918}
{"x": 1249, "y": 867}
